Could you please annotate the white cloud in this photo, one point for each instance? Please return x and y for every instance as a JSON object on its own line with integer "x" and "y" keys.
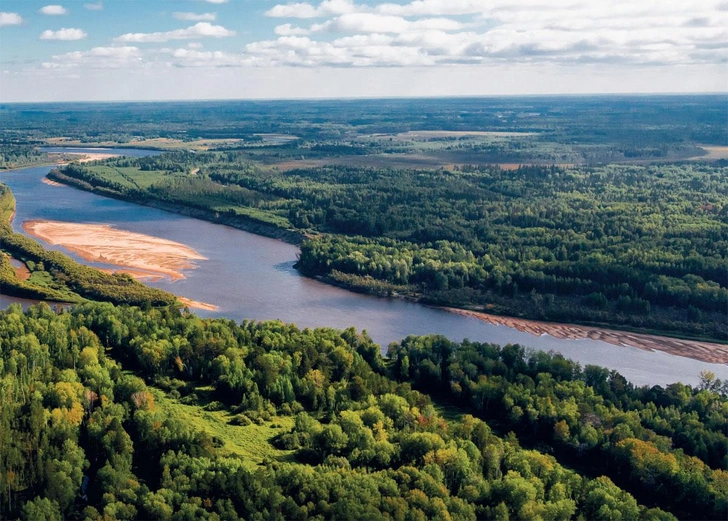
{"x": 364, "y": 40}
{"x": 302, "y": 51}
{"x": 290, "y": 30}
{"x": 10, "y": 19}
{"x": 217, "y": 1}
{"x": 306, "y": 10}
{"x": 64, "y": 34}
{"x": 195, "y": 17}
{"x": 196, "y": 58}
{"x": 377, "y": 23}
{"x": 578, "y": 35}
{"x": 199, "y": 30}
{"x": 647, "y": 32}
{"x": 98, "y": 6}
{"x": 437, "y": 7}
{"x": 53, "y": 10}
{"x": 97, "y": 58}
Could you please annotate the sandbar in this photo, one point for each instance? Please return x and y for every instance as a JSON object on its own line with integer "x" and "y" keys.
{"x": 704, "y": 351}
{"x": 195, "y": 304}
{"x": 144, "y": 254}
{"x": 62, "y": 158}
{"x": 95, "y": 156}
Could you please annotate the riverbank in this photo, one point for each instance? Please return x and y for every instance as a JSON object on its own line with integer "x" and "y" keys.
{"x": 58, "y": 159}
{"x": 150, "y": 256}
{"x": 194, "y": 304}
{"x": 239, "y": 222}
{"x": 705, "y": 351}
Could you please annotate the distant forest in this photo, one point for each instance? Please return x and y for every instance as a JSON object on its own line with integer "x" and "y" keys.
{"x": 628, "y": 121}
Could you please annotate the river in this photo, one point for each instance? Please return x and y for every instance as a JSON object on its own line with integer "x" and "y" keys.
{"x": 249, "y": 276}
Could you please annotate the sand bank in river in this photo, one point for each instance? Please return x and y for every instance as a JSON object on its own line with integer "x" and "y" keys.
{"x": 145, "y": 255}
{"x": 704, "y": 351}
{"x": 194, "y": 304}
{"x": 95, "y": 156}
{"x": 84, "y": 157}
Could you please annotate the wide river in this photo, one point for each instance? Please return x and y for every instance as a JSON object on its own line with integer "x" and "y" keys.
{"x": 249, "y": 276}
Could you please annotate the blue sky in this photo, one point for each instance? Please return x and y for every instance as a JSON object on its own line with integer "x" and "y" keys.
{"x": 207, "y": 49}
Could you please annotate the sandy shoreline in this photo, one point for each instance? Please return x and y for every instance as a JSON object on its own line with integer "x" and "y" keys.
{"x": 95, "y": 157}
{"x": 703, "y": 351}
{"x": 145, "y": 255}
{"x": 85, "y": 157}
{"x": 194, "y": 304}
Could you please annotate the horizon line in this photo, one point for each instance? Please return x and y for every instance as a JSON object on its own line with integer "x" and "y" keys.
{"x": 373, "y": 98}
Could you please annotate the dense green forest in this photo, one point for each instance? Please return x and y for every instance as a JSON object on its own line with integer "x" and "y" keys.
{"x": 18, "y": 156}
{"x": 121, "y": 413}
{"x": 56, "y": 277}
{"x": 635, "y": 246}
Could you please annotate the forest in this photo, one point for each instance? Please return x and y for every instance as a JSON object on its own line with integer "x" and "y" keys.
{"x": 114, "y": 412}
{"x": 632, "y": 246}
{"x": 18, "y": 156}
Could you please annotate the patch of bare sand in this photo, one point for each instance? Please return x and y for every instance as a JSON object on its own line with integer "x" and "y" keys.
{"x": 51, "y": 182}
{"x": 96, "y": 157}
{"x": 194, "y": 304}
{"x": 714, "y": 153}
{"x": 152, "y": 256}
{"x": 704, "y": 351}
{"x": 63, "y": 158}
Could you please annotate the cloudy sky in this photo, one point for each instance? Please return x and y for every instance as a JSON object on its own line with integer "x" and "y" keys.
{"x": 207, "y": 49}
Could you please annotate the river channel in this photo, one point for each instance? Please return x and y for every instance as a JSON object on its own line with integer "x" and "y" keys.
{"x": 249, "y": 276}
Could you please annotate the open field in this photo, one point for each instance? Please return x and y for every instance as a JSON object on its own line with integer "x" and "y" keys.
{"x": 439, "y": 134}
{"x": 251, "y": 443}
{"x": 402, "y": 161}
{"x": 417, "y": 161}
{"x": 104, "y": 243}
{"x": 447, "y": 160}
{"x": 704, "y": 351}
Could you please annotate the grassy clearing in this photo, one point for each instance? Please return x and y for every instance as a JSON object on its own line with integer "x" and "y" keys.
{"x": 128, "y": 177}
{"x": 40, "y": 278}
{"x": 251, "y": 443}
